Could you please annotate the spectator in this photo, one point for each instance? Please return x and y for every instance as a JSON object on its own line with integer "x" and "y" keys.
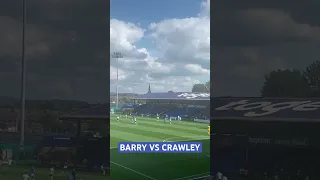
{"x": 219, "y": 176}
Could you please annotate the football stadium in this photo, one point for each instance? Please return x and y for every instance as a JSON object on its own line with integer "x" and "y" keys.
{"x": 84, "y": 153}
{"x": 265, "y": 137}
{"x": 161, "y": 117}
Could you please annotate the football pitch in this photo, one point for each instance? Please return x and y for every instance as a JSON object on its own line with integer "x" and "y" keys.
{"x": 15, "y": 173}
{"x": 157, "y": 166}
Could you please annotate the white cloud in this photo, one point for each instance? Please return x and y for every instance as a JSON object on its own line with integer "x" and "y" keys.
{"x": 122, "y": 75}
{"x": 186, "y": 40}
{"x": 205, "y": 8}
{"x": 197, "y": 69}
{"x": 123, "y": 35}
{"x": 182, "y": 49}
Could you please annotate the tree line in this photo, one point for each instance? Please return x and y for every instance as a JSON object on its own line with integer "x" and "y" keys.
{"x": 201, "y": 88}
{"x": 293, "y": 82}
{"x": 284, "y": 83}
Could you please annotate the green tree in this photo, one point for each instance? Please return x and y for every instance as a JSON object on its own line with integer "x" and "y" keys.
{"x": 312, "y": 75}
{"x": 285, "y": 83}
{"x": 199, "y": 88}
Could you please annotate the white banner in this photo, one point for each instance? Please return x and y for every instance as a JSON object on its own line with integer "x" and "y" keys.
{"x": 202, "y": 120}
{"x": 196, "y": 106}
{"x": 194, "y": 95}
{"x": 267, "y": 107}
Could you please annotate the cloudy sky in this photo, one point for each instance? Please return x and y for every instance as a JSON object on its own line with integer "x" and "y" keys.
{"x": 165, "y": 43}
{"x": 251, "y": 38}
{"x": 66, "y": 49}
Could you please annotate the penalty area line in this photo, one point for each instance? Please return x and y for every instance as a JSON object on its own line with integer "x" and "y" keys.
{"x": 144, "y": 175}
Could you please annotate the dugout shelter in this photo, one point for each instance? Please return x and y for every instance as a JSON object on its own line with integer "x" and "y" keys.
{"x": 82, "y": 150}
{"x": 260, "y": 133}
{"x": 99, "y": 113}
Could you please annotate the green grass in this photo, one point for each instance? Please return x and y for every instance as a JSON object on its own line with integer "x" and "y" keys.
{"x": 151, "y": 166}
{"x": 15, "y": 173}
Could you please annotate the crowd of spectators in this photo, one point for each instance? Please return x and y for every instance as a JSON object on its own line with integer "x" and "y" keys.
{"x": 287, "y": 171}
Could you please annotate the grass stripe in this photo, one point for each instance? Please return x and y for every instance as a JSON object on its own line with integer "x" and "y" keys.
{"x": 152, "y": 131}
{"x": 131, "y": 136}
{"x": 149, "y": 129}
{"x": 183, "y": 123}
{"x": 176, "y": 126}
{"x": 158, "y": 135}
{"x": 114, "y": 141}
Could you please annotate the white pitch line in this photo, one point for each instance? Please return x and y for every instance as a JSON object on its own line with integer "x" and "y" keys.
{"x": 194, "y": 176}
{"x": 144, "y": 175}
{"x": 197, "y": 178}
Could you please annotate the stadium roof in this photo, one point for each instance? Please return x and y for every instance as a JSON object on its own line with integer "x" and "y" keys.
{"x": 266, "y": 109}
{"x": 97, "y": 112}
{"x": 175, "y": 96}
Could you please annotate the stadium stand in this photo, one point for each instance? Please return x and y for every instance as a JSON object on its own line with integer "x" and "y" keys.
{"x": 91, "y": 147}
{"x": 55, "y": 147}
{"x": 173, "y": 104}
{"x": 266, "y": 137}
{"x": 154, "y": 109}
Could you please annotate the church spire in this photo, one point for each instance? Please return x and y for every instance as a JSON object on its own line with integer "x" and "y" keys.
{"x": 149, "y": 90}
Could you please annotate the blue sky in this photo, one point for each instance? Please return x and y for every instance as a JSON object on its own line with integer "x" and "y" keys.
{"x": 176, "y": 58}
{"x": 145, "y": 12}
